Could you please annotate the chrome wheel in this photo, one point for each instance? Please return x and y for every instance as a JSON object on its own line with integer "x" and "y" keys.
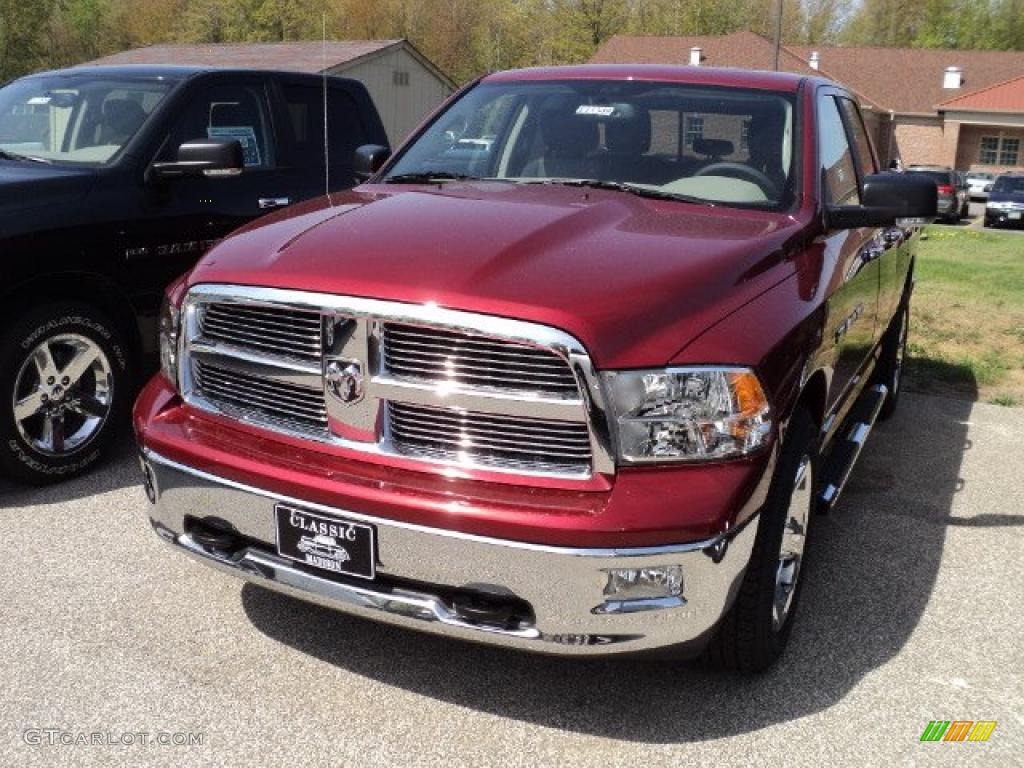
{"x": 63, "y": 394}
{"x": 794, "y": 538}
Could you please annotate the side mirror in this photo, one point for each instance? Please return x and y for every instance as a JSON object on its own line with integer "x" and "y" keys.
{"x": 369, "y": 159}
{"x": 887, "y": 197}
{"x": 202, "y": 157}
{"x": 988, "y": 187}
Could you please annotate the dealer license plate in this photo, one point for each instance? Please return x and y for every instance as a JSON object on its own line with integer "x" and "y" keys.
{"x": 326, "y": 543}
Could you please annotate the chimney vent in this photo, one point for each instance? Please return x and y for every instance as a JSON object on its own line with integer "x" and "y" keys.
{"x": 696, "y": 56}
{"x": 815, "y": 60}
{"x": 952, "y": 78}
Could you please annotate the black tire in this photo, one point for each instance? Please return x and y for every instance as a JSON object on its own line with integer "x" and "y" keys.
{"x": 751, "y": 637}
{"x": 63, "y": 426}
{"x": 891, "y": 365}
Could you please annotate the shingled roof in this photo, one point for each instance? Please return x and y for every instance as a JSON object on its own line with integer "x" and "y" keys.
{"x": 909, "y": 80}
{"x": 1007, "y": 96}
{"x": 905, "y": 80}
{"x": 303, "y": 56}
{"x": 746, "y": 50}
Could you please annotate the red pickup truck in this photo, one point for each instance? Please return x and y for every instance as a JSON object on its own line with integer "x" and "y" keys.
{"x": 571, "y": 372}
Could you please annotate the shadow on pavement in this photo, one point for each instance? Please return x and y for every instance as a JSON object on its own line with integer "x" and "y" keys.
{"x": 871, "y": 571}
{"x": 118, "y": 470}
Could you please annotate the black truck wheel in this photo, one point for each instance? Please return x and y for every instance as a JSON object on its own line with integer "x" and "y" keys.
{"x": 754, "y": 633}
{"x": 64, "y": 391}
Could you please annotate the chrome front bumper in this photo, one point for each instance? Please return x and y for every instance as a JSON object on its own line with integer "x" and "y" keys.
{"x": 418, "y": 567}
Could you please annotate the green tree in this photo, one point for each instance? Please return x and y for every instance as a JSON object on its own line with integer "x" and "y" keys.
{"x": 23, "y": 25}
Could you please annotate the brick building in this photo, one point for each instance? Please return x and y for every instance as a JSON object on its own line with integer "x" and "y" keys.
{"x": 923, "y": 106}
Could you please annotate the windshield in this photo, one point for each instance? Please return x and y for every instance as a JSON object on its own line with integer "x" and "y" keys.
{"x": 74, "y": 119}
{"x": 1009, "y": 184}
{"x": 720, "y": 145}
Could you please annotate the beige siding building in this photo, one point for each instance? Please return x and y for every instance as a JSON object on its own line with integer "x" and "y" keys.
{"x": 403, "y": 83}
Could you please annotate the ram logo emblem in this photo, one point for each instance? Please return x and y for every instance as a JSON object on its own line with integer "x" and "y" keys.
{"x": 345, "y": 381}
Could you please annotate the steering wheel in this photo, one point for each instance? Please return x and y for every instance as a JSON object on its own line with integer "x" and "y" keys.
{"x": 741, "y": 171}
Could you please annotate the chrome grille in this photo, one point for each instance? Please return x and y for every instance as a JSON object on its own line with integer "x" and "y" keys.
{"x": 489, "y": 439}
{"x": 377, "y": 377}
{"x": 279, "y": 402}
{"x": 274, "y": 330}
{"x": 435, "y": 355}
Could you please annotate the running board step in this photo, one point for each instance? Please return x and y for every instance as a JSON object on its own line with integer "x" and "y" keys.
{"x": 846, "y": 451}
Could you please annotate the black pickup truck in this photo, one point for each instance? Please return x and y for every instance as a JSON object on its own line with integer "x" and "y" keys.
{"x": 113, "y": 181}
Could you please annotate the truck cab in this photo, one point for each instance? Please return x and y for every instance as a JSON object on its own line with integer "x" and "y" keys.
{"x": 113, "y": 182}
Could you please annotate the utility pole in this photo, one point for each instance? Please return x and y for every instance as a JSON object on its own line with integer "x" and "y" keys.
{"x": 778, "y": 34}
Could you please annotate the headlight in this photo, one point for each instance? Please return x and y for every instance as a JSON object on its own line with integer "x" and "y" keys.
{"x": 170, "y": 322}
{"x": 688, "y": 414}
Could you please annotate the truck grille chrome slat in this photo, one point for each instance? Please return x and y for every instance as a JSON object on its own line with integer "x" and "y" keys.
{"x": 436, "y": 355}
{"x": 261, "y": 395}
{"x": 448, "y": 433}
{"x": 384, "y": 378}
{"x": 283, "y": 331}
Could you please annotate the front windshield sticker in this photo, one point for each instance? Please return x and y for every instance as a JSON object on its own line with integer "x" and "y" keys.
{"x": 246, "y": 136}
{"x": 38, "y": 101}
{"x": 594, "y": 109}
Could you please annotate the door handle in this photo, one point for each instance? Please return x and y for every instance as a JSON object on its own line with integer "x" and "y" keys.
{"x": 266, "y": 203}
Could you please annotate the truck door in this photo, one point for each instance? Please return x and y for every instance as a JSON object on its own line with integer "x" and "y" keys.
{"x": 304, "y": 154}
{"x": 894, "y": 242}
{"x": 852, "y": 324}
{"x": 181, "y": 218}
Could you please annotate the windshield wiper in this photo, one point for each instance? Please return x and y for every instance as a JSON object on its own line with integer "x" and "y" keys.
{"x": 427, "y": 177}
{"x": 622, "y": 186}
{"x": 5, "y": 155}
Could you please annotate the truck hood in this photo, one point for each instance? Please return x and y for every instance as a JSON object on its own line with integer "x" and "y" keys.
{"x": 634, "y": 279}
{"x": 25, "y": 184}
{"x": 1014, "y": 196}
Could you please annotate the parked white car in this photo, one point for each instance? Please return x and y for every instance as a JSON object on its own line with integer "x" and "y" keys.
{"x": 979, "y": 183}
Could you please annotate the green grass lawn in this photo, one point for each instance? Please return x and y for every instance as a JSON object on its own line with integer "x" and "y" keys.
{"x": 967, "y": 322}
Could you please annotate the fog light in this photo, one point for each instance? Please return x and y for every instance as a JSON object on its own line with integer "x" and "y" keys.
{"x": 644, "y": 583}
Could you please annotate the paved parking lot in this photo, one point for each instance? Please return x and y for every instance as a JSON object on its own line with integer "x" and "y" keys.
{"x": 914, "y": 612}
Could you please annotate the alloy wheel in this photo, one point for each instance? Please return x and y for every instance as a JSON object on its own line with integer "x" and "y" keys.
{"x": 63, "y": 394}
{"x": 794, "y": 539}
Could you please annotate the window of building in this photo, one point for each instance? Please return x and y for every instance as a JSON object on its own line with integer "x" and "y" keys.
{"x": 399, "y": 77}
{"x": 999, "y": 150}
{"x": 745, "y": 134}
{"x": 694, "y": 129}
{"x": 664, "y": 132}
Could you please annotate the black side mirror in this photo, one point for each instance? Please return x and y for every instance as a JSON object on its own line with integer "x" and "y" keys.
{"x": 202, "y": 157}
{"x": 369, "y": 159}
{"x": 887, "y": 197}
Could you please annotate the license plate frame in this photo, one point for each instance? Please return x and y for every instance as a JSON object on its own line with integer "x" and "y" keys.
{"x": 331, "y": 545}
